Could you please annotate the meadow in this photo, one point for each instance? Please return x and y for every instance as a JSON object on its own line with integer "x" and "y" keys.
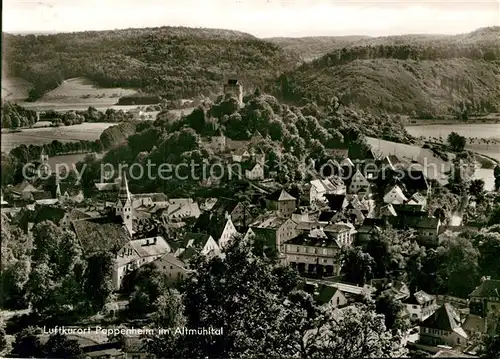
{"x": 435, "y": 166}
{"x": 38, "y": 136}
{"x": 471, "y": 131}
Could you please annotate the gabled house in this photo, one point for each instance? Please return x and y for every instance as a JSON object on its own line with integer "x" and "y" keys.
{"x": 317, "y": 251}
{"x": 69, "y": 192}
{"x": 420, "y": 305}
{"x": 354, "y": 212}
{"x": 201, "y": 243}
{"x": 426, "y": 227}
{"x": 395, "y": 196}
{"x": 101, "y": 234}
{"x": 24, "y": 190}
{"x": 358, "y": 183}
{"x": 418, "y": 199}
{"x": 330, "y": 296}
{"x": 227, "y": 232}
{"x": 240, "y": 213}
{"x": 485, "y": 298}
{"x": 341, "y": 232}
{"x": 278, "y": 229}
{"x": 149, "y": 199}
{"x": 444, "y": 327}
{"x": 336, "y": 202}
{"x": 137, "y": 253}
{"x": 172, "y": 266}
{"x": 73, "y": 215}
{"x": 370, "y": 227}
{"x": 254, "y": 171}
{"x": 415, "y": 180}
{"x": 352, "y": 293}
{"x": 387, "y": 211}
{"x": 395, "y": 288}
{"x": 181, "y": 208}
{"x": 240, "y": 155}
{"x": 320, "y": 187}
{"x": 281, "y": 202}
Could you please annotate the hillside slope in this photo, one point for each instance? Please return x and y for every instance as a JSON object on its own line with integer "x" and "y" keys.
{"x": 430, "y": 75}
{"x": 310, "y": 48}
{"x": 176, "y": 62}
{"x": 427, "y": 87}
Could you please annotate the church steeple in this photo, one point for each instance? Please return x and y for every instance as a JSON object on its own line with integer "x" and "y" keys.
{"x": 123, "y": 193}
{"x": 123, "y": 207}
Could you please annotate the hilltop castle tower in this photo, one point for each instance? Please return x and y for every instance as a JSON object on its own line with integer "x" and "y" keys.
{"x": 235, "y": 88}
{"x": 123, "y": 206}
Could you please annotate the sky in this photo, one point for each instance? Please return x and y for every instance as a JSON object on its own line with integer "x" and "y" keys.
{"x": 262, "y": 18}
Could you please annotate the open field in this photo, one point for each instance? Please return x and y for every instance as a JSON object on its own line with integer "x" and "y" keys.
{"x": 15, "y": 89}
{"x": 38, "y": 136}
{"x": 486, "y": 131}
{"x": 72, "y": 94}
{"x": 435, "y": 166}
{"x": 81, "y": 90}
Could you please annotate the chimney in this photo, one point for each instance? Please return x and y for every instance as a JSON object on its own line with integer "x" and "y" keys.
{"x": 154, "y": 240}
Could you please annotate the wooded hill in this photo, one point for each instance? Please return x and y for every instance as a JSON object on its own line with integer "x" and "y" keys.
{"x": 425, "y": 75}
{"x": 421, "y": 75}
{"x": 175, "y": 62}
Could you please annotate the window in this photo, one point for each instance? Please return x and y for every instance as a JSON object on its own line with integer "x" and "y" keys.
{"x": 325, "y": 251}
{"x": 414, "y": 307}
{"x": 171, "y": 267}
{"x": 338, "y": 301}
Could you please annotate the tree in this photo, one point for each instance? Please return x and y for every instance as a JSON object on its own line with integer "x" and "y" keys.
{"x": 60, "y": 346}
{"x": 169, "y": 308}
{"x": 27, "y": 344}
{"x": 458, "y": 268}
{"x": 393, "y": 311}
{"x": 3, "y": 336}
{"x": 492, "y": 346}
{"x": 456, "y": 142}
{"x": 488, "y": 246}
{"x": 148, "y": 285}
{"x": 357, "y": 265}
{"x": 248, "y": 312}
{"x": 97, "y": 280}
{"x": 476, "y": 188}
{"x": 356, "y": 332}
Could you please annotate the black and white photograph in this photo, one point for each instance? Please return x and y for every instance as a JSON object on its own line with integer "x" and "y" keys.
{"x": 307, "y": 179}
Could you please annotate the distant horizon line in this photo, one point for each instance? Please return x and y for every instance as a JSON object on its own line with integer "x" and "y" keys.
{"x": 34, "y": 32}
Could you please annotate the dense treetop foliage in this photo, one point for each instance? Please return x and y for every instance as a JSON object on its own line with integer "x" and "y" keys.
{"x": 170, "y": 61}
{"x": 317, "y": 46}
{"x": 15, "y": 116}
{"x": 402, "y": 73}
{"x": 422, "y": 88}
{"x": 397, "y": 73}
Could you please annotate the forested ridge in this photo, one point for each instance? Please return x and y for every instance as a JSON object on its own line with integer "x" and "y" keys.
{"x": 421, "y": 75}
{"x": 174, "y": 62}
